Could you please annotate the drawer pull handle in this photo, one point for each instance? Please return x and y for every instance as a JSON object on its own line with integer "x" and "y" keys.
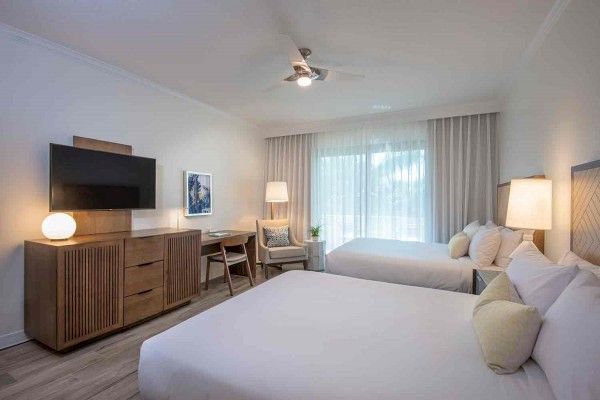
{"x": 144, "y": 292}
{"x": 146, "y": 264}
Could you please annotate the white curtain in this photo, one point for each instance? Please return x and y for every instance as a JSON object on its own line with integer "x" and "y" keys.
{"x": 372, "y": 182}
{"x": 288, "y": 159}
{"x": 464, "y": 178}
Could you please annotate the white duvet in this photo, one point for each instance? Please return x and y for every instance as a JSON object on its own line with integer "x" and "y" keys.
{"x": 308, "y": 335}
{"x": 408, "y": 263}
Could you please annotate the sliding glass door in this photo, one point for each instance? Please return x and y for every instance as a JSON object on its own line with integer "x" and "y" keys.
{"x": 372, "y": 183}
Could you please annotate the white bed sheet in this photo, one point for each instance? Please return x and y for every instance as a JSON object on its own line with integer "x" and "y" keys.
{"x": 408, "y": 263}
{"x": 307, "y": 335}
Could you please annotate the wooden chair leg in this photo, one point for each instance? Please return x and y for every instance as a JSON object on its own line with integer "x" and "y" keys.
{"x": 249, "y": 273}
{"x": 207, "y": 274}
{"x": 248, "y": 266}
{"x": 227, "y": 275}
{"x": 305, "y": 264}
{"x": 266, "y": 271}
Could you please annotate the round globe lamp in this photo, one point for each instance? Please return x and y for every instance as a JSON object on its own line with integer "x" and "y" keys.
{"x": 58, "y": 226}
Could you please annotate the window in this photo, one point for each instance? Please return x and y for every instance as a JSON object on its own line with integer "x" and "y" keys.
{"x": 371, "y": 185}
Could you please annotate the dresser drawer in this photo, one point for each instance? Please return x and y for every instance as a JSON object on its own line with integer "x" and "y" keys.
{"x": 142, "y": 305}
{"x": 143, "y": 277}
{"x": 144, "y": 250}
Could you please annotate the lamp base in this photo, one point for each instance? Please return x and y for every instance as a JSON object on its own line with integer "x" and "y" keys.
{"x": 528, "y": 236}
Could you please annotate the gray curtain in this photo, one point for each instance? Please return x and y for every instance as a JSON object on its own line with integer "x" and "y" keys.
{"x": 288, "y": 158}
{"x": 464, "y": 172}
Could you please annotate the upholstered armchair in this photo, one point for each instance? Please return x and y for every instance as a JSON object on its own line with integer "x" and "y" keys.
{"x": 278, "y": 256}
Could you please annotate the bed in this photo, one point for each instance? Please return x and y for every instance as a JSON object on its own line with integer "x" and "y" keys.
{"x": 414, "y": 263}
{"x": 330, "y": 337}
{"x": 408, "y": 263}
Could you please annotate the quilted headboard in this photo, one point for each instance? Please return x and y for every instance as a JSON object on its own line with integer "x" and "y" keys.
{"x": 502, "y": 193}
{"x": 585, "y": 211}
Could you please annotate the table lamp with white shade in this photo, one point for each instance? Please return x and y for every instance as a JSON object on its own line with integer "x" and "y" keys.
{"x": 59, "y": 226}
{"x": 276, "y": 193}
{"x": 530, "y": 205}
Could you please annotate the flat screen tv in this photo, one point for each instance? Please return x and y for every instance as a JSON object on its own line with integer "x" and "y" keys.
{"x": 82, "y": 179}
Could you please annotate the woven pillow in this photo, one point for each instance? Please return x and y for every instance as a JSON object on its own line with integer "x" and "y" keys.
{"x": 277, "y": 236}
{"x": 506, "y": 328}
{"x": 500, "y": 288}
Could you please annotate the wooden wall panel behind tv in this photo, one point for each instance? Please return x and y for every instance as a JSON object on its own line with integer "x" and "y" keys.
{"x": 95, "y": 222}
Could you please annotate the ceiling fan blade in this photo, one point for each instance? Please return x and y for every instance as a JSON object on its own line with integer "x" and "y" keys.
{"x": 292, "y": 78}
{"x": 330, "y": 75}
{"x": 294, "y": 55}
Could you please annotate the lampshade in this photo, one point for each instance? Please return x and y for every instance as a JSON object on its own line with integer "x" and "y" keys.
{"x": 276, "y": 192}
{"x": 58, "y": 226}
{"x": 530, "y": 204}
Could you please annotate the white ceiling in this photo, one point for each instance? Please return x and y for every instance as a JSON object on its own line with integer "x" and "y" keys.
{"x": 414, "y": 53}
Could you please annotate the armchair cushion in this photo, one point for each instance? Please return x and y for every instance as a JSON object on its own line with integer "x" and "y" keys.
{"x": 286, "y": 252}
{"x": 277, "y": 236}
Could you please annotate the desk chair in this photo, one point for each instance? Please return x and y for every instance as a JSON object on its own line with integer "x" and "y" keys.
{"x": 229, "y": 258}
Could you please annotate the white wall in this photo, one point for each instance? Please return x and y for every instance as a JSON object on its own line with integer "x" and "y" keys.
{"x": 48, "y": 96}
{"x": 551, "y": 117}
{"x": 417, "y": 114}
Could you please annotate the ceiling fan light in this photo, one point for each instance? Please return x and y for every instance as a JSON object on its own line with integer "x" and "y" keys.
{"x": 304, "y": 81}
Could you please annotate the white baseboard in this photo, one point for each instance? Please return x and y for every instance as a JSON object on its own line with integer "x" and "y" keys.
{"x": 11, "y": 339}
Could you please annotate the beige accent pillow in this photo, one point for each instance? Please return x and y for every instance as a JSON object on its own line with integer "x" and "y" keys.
{"x": 459, "y": 245}
{"x": 507, "y": 329}
{"x": 500, "y": 288}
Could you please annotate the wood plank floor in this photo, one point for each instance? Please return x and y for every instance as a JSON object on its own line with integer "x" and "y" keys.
{"x": 106, "y": 369}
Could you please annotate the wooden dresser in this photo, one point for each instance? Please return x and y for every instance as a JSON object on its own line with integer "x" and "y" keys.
{"x": 87, "y": 286}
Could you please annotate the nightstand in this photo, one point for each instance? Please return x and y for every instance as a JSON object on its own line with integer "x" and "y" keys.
{"x": 483, "y": 277}
{"x": 316, "y": 254}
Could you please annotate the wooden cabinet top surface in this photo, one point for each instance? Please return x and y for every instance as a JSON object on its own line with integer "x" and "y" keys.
{"x": 75, "y": 240}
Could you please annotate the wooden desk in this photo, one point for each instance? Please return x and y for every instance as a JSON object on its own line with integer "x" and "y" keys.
{"x": 211, "y": 245}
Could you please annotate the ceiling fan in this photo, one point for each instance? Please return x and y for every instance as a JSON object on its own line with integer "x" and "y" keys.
{"x": 304, "y": 73}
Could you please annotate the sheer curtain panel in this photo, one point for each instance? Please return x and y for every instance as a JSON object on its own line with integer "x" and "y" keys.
{"x": 465, "y": 173}
{"x": 371, "y": 182}
{"x": 288, "y": 158}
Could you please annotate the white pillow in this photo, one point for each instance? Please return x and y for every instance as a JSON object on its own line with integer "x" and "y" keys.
{"x": 568, "y": 347}
{"x": 537, "y": 280}
{"x": 484, "y": 247}
{"x": 490, "y": 224}
{"x": 510, "y": 241}
{"x": 571, "y": 258}
{"x": 529, "y": 251}
{"x": 472, "y": 229}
